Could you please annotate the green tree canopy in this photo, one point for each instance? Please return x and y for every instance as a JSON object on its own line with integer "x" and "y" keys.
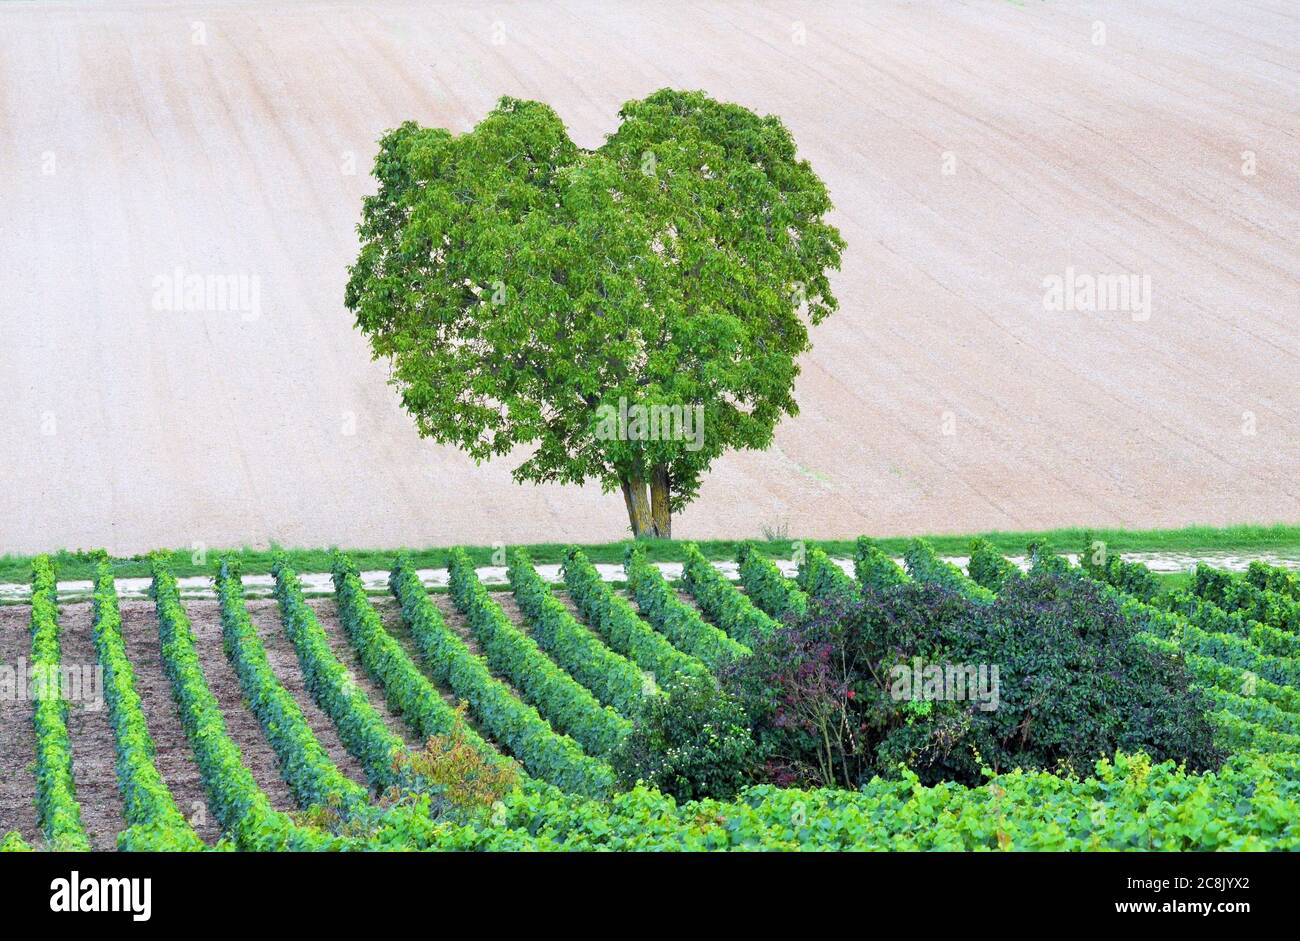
{"x": 629, "y": 312}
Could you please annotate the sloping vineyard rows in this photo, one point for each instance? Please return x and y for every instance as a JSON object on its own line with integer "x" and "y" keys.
{"x": 1218, "y": 603}
{"x": 678, "y": 621}
{"x": 239, "y": 804}
{"x": 771, "y": 592}
{"x": 722, "y": 603}
{"x": 1239, "y": 595}
{"x": 1267, "y": 577}
{"x": 620, "y": 626}
{"x": 154, "y": 822}
{"x": 988, "y": 567}
{"x": 875, "y": 569}
{"x": 1254, "y": 709}
{"x": 1225, "y": 652}
{"x": 1250, "y": 804}
{"x": 1246, "y": 666}
{"x": 611, "y": 677}
{"x": 559, "y": 698}
{"x": 1211, "y": 672}
{"x": 406, "y": 687}
{"x": 1215, "y": 620}
{"x": 361, "y": 728}
{"x": 821, "y": 578}
{"x": 924, "y": 565}
{"x": 310, "y": 773}
{"x": 1182, "y": 625}
{"x": 1256, "y": 693}
{"x": 512, "y": 722}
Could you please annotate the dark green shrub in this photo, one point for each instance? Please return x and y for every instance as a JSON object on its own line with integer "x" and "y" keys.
{"x": 691, "y": 742}
{"x": 829, "y": 706}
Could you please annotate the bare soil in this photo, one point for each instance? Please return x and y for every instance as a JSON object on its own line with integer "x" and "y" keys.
{"x": 173, "y": 756}
{"x": 460, "y": 624}
{"x": 390, "y": 613}
{"x": 567, "y": 600}
{"x": 17, "y": 736}
{"x": 241, "y": 723}
{"x": 91, "y": 734}
{"x": 971, "y": 150}
{"x": 284, "y": 661}
{"x": 511, "y": 607}
{"x": 327, "y": 613}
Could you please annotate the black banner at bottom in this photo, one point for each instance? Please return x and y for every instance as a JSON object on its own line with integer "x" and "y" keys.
{"x": 768, "y": 890}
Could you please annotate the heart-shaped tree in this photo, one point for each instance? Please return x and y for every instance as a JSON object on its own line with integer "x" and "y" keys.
{"x": 631, "y": 311}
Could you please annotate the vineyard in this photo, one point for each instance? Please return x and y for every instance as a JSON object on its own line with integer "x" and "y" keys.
{"x": 299, "y": 723}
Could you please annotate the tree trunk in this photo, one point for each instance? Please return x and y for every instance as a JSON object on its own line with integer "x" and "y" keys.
{"x": 659, "y": 494}
{"x": 638, "y": 507}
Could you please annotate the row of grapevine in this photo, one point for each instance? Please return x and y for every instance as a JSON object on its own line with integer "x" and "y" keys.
{"x": 613, "y": 678}
{"x": 560, "y": 699}
{"x": 308, "y": 769}
{"x": 1183, "y": 623}
{"x": 675, "y": 619}
{"x": 407, "y": 688}
{"x": 989, "y": 568}
{"x": 403, "y": 821}
{"x": 771, "y": 591}
{"x": 720, "y": 600}
{"x": 361, "y": 728}
{"x": 57, "y": 809}
{"x": 1233, "y": 671}
{"x": 618, "y": 624}
{"x": 241, "y": 807}
{"x": 14, "y": 843}
{"x": 154, "y": 822}
{"x": 822, "y": 578}
{"x": 1237, "y": 594}
{"x": 513, "y": 723}
{"x": 1131, "y": 578}
{"x": 1214, "y": 619}
{"x": 1239, "y": 734}
{"x": 874, "y": 568}
{"x": 924, "y": 565}
{"x": 1267, "y": 577}
{"x": 1210, "y": 672}
{"x": 1255, "y": 709}
{"x": 1229, "y": 648}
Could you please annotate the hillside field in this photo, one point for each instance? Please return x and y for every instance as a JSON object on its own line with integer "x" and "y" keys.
{"x": 218, "y": 139}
